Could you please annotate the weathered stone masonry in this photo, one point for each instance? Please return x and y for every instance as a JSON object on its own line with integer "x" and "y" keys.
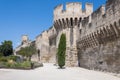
{"x": 68, "y": 21}
{"x": 99, "y": 42}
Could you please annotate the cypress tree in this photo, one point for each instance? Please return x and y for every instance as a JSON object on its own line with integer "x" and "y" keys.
{"x": 61, "y": 51}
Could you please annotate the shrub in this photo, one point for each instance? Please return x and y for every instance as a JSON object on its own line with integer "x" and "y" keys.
{"x": 3, "y": 59}
{"x": 21, "y": 65}
{"x": 6, "y": 59}
{"x": 1, "y": 54}
{"x": 12, "y": 57}
{"x": 12, "y": 62}
{"x": 25, "y": 64}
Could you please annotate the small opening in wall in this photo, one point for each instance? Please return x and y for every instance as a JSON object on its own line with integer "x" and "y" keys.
{"x": 80, "y": 31}
{"x": 76, "y": 21}
{"x": 71, "y": 21}
{"x": 63, "y": 22}
{"x": 60, "y": 22}
{"x": 100, "y": 62}
{"x": 80, "y": 19}
{"x": 84, "y": 18}
{"x": 114, "y": 24}
{"x": 119, "y": 22}
{"x": 67, "y": 21}
{"x": 90, "y": 25}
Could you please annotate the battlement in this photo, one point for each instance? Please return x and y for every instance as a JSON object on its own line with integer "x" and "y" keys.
{"x": 72, "y": 9}
{"x": 75, "y": 7}
{"x": 88, "y": 8}
{"x": 99, "y": 12}
{"x": 58, "y": 9}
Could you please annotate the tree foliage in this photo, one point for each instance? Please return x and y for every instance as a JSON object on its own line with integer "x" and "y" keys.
{"x": 6, "y": 48}
{"x": 61, "y": 51}
{"x": 27, "y": 51}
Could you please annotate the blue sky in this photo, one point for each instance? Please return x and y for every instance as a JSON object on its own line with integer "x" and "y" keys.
{"x": 30, "y": 17}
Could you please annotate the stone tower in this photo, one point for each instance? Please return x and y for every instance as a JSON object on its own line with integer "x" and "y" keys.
{"x": 25, "y": 39}
{"x": 69, "y": 22}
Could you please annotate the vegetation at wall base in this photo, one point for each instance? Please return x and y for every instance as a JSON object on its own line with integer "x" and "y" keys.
{"x": 7, "y": 60}
{"x": 61, "y": 51}
{"x": 10, "y": 62}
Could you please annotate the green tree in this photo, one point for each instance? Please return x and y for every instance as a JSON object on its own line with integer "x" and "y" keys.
{"x": 27, "y": 51}
{"x": 6, "y": 48}
{"x": 61, "y": 51}
{"x": 1, "y": 54}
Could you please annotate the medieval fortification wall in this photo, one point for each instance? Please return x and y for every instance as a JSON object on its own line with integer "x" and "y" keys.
{"x": 92, "y": 38}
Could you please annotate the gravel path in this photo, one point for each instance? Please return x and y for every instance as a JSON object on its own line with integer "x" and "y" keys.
{"x": 50, "y": 72}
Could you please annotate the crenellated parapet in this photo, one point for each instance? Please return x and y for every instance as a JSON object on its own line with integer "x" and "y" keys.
{"x": 72, "y": 15}
{"x": 73, "y": 9}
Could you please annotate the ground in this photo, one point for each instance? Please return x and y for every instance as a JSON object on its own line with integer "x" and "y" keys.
{"x": 51, "y": 72}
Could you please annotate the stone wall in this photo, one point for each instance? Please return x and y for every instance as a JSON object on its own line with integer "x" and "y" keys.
{"x": 104, "y": 57}
{"x": 46, "y": 43}
{"x": 99, "y": 42}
